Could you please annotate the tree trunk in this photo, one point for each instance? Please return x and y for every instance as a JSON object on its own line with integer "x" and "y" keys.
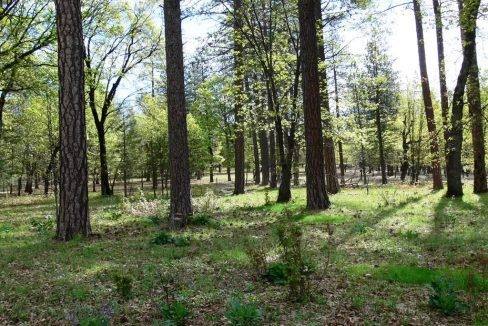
{"x": 477, "y": 126}
{"x": 468, "y": 16}
{"x": 102, "y": 147}
{"x": 338, "y": 115}
{"x": 179, "y": 164}
{"x": 264, "y": 147}
{"x": 317, "y": 197}
{"x": 239, "y": 146}
{"x": 50, "y": 169}
{"x": 210, "y": 151}
{"x": 296, "y": 166}
{"x": 73, "y": 216}
{"x": 381, "y": 147}
{"x": 442, "y": 73}
{"x": 429, "y": 109}
{"x": 257, "y": 167}
{"x": 273, "y": 182}
{"x": 329, "y": 149}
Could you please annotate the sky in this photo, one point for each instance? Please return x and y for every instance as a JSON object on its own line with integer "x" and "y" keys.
{"x": 400, "y": 38}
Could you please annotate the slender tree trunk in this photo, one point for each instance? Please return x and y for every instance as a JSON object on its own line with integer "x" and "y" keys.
{"x": 429, "y": 109}
{"x": 73, "y": 216}
{"x": 329, "y": 149}
{"x": 477, "y": 126}
{"x": 381, "y": 147}
{"x": 317, "y": 197}
{"x": 227, "y": 159}
{"x": 102, "y": 147}
{"x": 257, "y": 167}
{"x": 442, "y": 73}
{"x": 179, "y": 164}
{"x": 239, "y": 145}
{"x": 273, "y": 182}
{"x": 210, "y": 151}
{"x": 468, "y": 17}
{"x": 296, "y": 166}
{"x": 338, "y": 115}
{"x": 264, "y": 147}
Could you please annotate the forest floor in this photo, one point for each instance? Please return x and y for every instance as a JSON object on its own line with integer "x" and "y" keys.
{"x": 374, "y": 254}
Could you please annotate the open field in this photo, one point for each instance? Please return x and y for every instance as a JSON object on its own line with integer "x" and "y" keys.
{"x": 374, "y": 256}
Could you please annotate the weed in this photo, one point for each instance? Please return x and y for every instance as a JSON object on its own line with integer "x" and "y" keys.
{"x": 123, "y": 285}
{"x": 174, "y": 313}
{"x": 257, "y": 255}
{"x": 241, "y": 313}
{"x": 164, "y": 238}
{"x": 277, "y": 273}
{"x": 43, "y": 225}
{"x": 94, "y": 321}
{"x": 445, "y": 298}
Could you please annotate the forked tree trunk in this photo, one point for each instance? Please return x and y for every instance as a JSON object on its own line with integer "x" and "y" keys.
{"x": 179, "y": 164}
{"x": 317, "y": 197}
{"x": 429, "y": 109}
{"x": 239, "y": 145}
{"x": 73, "y": 216}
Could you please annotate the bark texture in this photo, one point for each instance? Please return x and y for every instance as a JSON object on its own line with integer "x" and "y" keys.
{"x": 317, "y": 197}
{"x": 73, "y": 216}
{"x": 429, "y": 109}
{"x": 179, "y": 164}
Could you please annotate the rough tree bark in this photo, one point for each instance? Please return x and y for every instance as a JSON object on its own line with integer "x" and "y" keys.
{"x": 329, "y": 149}
{"x": 239, "y": 145}
{"x": 179, "y": 164}
{"x": 72, "y": 216}
{"x": 429, "y": 109}
{"x": 468, "y": 13}
{"x": 317, "y": 197}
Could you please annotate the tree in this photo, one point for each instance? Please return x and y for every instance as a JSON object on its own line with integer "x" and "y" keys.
{"x": 429, "y": 109}
{"x": 179, "y": 165}
{"x": 317, "y": 197}
{"x": 468, "y": 13}
{"x": 239, "y": 145}
{"x": 73, "y": 216}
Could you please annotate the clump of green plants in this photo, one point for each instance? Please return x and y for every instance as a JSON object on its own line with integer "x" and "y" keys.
{"x": 123, "y": 285}
{"x": 94, "y": 321}
{"x": 240, "y": 313}
{"x": 43, "y": 225}
{"x": 112, "y": 215}
{"x": 298, "y": 269}
{"x": 277, "y": 273}
{"x": 164, "y": 238}
{"x": 445, "y": 298}
{"x": 173, "y": 309}
{"x": 267, "y": 199}
{"x": 204, "y": 219}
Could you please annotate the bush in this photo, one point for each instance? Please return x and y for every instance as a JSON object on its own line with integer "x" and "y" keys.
{"x": 445, "y": 298}
{"x": 243, "y": 314}
{"x": 277, "y": 273}
{"x": 43, "y": 225}
{"x": 174, "y": 313}
{"x": 164, "y": 238}
{"x": 257, "y": 256}
{"x": 123, "y": 285}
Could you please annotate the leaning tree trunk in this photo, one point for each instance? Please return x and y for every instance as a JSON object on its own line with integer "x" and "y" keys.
{"x": 468, "y": 16}
{"x": 239, "y": 146}
{"x": 179, "y": 163}
{"x": 329, "y": 149}
{"x": 72, "y": 216}
{"x": 429, "y": 109}
{"x": 317, "y": 197}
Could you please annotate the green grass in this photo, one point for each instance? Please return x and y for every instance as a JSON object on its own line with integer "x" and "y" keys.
{"x": 411, "y": 235}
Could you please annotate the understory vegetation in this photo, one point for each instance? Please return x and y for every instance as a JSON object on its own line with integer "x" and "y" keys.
{"x": 390, "y": 255}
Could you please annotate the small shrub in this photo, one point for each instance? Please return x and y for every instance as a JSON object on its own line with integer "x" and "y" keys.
{"x": 123, "y": 285}
{"x": 267, "y": 199}
{"x": 174, "y": 313}
{"x": 243, "y": 313}
{"x": 164, "y": 238}
{"x": 445, "y": 298}
{"x": 359, "y": 228}
{"x": 203, "y": 219}
{"x": 42, "y": 225}
{"x": 277, "y": 273}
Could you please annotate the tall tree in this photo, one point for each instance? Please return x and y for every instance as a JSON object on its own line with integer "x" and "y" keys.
{"x": 429, "y": 109}
{"x": 73, "y": 216}
{"x": 329, "y": 149}
{"x": 468, "y": 14}
{"x": 239, "y": 146}
{"x": 179, "y": 164}
{"x": 317, "y": 197}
